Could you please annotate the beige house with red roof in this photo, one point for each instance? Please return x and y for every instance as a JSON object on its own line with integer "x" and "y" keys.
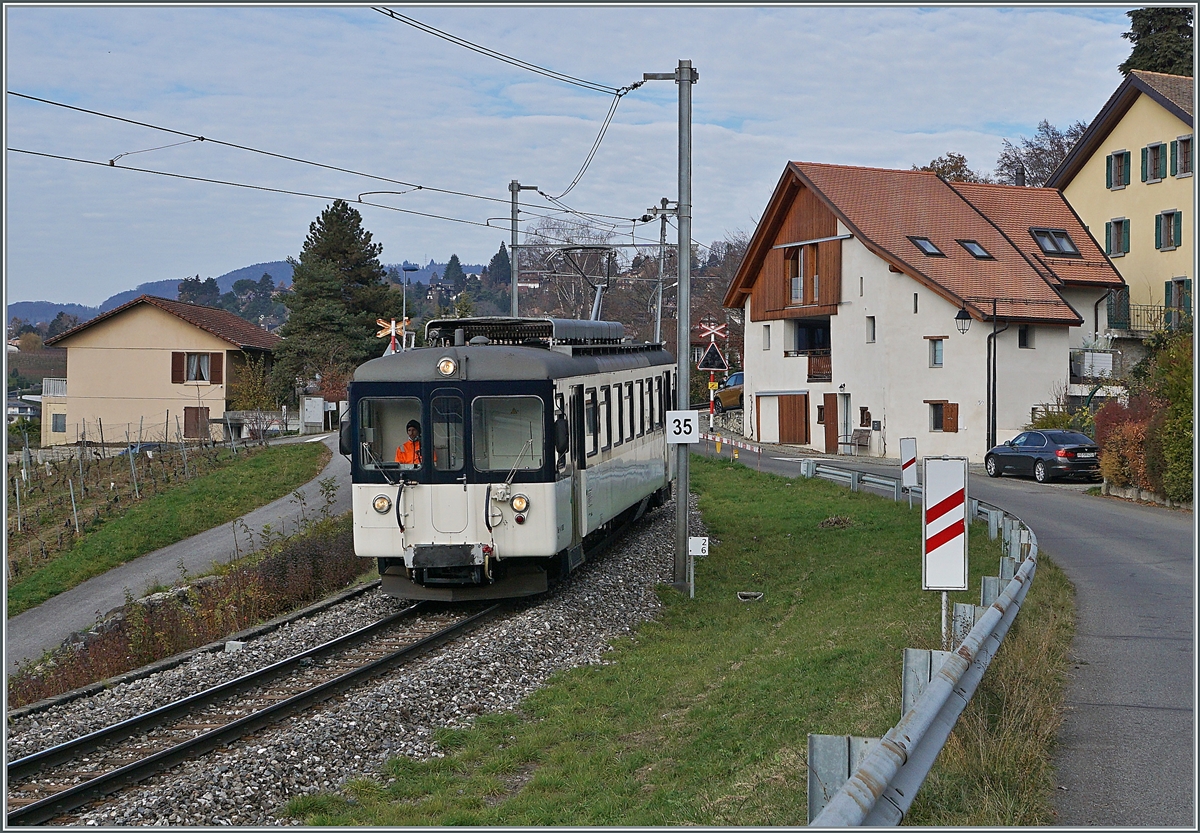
{"x": 1130, "y": 178}
{"x": 153, "y": 368}
{"x": 856, "y": 286}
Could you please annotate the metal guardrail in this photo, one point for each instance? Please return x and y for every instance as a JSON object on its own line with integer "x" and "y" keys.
{"x": 881, "y": 790}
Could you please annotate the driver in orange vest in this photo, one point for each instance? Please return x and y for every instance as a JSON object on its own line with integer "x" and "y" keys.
{"x": 410, "y": 452}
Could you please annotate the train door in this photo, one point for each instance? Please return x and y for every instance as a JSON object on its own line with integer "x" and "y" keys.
{"x": 448, "y": 508}
{"x": 578, "y": 463}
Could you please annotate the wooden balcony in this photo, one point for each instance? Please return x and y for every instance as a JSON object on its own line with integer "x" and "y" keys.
{"x": 820, "y": 364}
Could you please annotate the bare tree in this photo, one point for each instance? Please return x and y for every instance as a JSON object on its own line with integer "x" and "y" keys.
{"x": 1037, "y": 157}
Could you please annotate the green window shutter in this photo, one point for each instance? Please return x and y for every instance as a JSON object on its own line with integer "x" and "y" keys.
{"x": 1127, "y": 174}
{"x": 1187, "y": 295}
{"x": 1158, "y": 221}
{"x": 1162, "y": 165}
{"x": 1145, "y": 160}
{"x": 1167, "y": 287}
{"x": 1178, "y": 228}
{"x": 1108, "y": 249}
{"x": 1125, "y": 236}
{"x": 1174, "y": 157}
{"x": 1108, "y": 183}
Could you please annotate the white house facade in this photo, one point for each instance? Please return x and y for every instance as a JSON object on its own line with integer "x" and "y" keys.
{"x": 853, "y": 289}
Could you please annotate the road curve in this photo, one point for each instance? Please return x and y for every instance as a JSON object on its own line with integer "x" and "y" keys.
{"x": 1126, "y": 755}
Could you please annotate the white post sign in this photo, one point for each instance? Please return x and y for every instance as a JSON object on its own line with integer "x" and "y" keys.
{"x": 944, "y": 524}
{"x": 683, "y": 427}
{"x": 908, "y": 462}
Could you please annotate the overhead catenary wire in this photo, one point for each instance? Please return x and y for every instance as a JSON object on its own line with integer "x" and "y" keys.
{"x": 290, "y": 192}
{"x": 616, "y": 92}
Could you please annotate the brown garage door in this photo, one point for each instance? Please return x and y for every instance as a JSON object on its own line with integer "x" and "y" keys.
{"x": 793, "y": 419}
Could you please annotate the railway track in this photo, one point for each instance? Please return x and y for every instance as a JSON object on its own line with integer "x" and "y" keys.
{"x": 63, "y": 778}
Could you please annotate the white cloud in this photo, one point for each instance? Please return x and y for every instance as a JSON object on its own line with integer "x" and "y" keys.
{"x": 884, "y": 86}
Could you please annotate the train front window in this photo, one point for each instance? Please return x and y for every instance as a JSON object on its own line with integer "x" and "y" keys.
{"x": 507, "y": 432}
{"x": 383, "y": 437}
{"x": 448, "y": 451}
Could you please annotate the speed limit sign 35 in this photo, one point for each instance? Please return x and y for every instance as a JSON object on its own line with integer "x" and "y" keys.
{"x": 683, "y": 427}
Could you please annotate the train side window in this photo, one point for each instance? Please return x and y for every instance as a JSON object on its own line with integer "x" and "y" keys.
{"x": 591, "y": 416}
{"x": 448, "y": 452}
{"x": 382, "y": 432}
{"x": 629, "y": 412}
{"x": 605, "y": 418}
{"x": 658, "y": 396}
{"x": 618, "y": 416}
{"x": 641, "y": 400}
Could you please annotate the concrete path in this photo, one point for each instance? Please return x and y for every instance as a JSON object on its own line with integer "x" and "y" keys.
{"x": 29, "y": 634}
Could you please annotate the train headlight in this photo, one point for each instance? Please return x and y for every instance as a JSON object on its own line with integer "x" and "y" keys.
{"x": 381, "y": 504}
{"x": 519, "y": 503}
{"x": 447, "y": 366}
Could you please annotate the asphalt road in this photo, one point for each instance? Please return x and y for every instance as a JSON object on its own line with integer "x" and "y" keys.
{"x": 1126, "y": 756}
{"x": 29, "y": 634}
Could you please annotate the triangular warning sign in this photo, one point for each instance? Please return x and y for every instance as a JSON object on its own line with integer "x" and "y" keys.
{"x": 713, "y": 360}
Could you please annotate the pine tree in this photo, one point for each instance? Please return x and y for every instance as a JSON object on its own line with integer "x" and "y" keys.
{"x": 455, "y": 275}
{"x": 318, "y": 330}
{"x": 339, "y": 290}
{"x": 1162, "y": 41}
{"x": 500, "y": 270}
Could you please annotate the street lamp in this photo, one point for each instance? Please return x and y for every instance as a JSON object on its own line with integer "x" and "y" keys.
{"x": 408, "y": 267}
{"x": 963, "y": 320}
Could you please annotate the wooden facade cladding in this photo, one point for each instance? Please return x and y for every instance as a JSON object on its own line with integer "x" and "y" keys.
{"x": 807, "y": 218}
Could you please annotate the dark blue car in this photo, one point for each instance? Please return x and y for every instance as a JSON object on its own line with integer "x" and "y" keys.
{"x": 1046, "y": 455}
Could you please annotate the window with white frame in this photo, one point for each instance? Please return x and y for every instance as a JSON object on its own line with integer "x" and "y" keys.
{"x": 1181, "y": 156}
{"x": 870, "y": 329}
{"x": 1025, "y": 336}
{"x": 58, "y": 423}
{"x": 936, "y": 346}
{"x": 766, "y": 336}
{"x": 1168, "y": 229}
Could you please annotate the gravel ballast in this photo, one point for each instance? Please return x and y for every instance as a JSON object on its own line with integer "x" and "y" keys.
{"x": 490, "y": 670}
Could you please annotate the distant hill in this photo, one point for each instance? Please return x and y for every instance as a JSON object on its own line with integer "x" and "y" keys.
{"x": 35, "y": 311}
{"x": 279, "y": 270}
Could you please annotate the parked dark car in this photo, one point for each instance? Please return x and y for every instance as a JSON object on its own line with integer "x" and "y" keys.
{"x": 1046, "y": 455}
{"x": 729, "y": 395}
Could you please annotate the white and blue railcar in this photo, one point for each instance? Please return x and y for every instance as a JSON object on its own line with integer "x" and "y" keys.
{"x": 538, "y": 438}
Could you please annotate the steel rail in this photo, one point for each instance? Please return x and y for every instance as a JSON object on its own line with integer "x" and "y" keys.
{"x": 132, "y": 773}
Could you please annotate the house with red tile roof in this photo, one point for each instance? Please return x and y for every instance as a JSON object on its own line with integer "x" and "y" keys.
{"x": 882, "y": 304}
{"x": 152, "y": 369}
{"x": 1131, "y": 179}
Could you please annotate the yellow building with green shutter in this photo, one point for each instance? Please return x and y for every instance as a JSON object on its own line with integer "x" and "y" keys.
{"x": 1130, "y": 179}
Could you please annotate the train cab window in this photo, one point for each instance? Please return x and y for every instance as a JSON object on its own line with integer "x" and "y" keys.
{"x": 630, "y": 413}
{"x": 591, "y": 421}
{"x": 605, "y": 418}
{"x": 383, "y": 438}
{"x": 448, "y": 451}
{"x": 507, "y": 432}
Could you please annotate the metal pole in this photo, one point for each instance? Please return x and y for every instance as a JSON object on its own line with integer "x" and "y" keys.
{"x": 514, "y": 270}
{"x": 662, "y": 268}
{"x": 684, "y": 77}
{"x": 992, "y": 391}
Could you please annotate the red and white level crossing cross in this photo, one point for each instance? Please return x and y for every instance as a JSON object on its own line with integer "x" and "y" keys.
{"x": 944, "y": 524}
{"x": 713, "y": 330}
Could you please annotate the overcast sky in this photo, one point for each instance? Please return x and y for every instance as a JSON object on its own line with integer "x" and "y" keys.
{"x": 350, "y": 87}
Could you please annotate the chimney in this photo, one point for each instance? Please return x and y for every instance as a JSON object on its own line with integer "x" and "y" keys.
{"x": 1021, "y": 176}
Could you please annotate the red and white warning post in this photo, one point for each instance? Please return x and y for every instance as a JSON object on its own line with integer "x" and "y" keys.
{"x": 944, "y": 524}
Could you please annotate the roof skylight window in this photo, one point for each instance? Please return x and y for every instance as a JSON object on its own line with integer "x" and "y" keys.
{"x": 977, "y": 251}
{"x": 1055, "y": 242}
{"x": 926, "y": 245}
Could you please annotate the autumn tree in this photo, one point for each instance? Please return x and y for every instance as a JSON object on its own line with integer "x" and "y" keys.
{"x": 953, "y": 166}
{"x": 1038, "y": 156}
{"x": 1162, "y": 41}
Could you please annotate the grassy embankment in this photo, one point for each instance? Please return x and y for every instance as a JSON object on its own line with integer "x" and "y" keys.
{"x": 178, "y": 508}
{"x": 702, "y": 717}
